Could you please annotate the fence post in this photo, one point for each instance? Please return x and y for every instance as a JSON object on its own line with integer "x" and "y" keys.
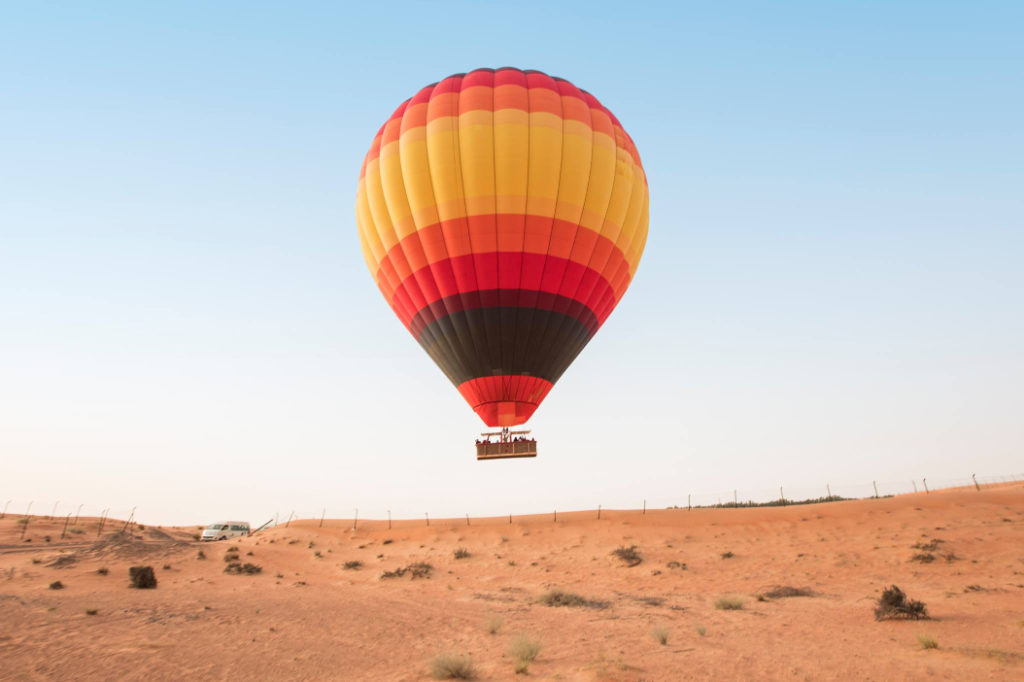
{"x": 599, "y": 511}
{"x": 510, "y": 519}
{"x": 78, "y": 512}
{"x": 24, "y": 526}
{"x": 925, "y": 481}
{"x": 688, "y": 507}
{"x": 467, "y": 519}
{"x": 427, "y": 514}
{"x": 28, "y": 512}
{"x": 286, "y": 523}
{"x": 555, "y": 520}
{"x": 355, "y": 519}
{"x": 914, "y": 483}
{"x": 5, "y": 509}
{"x": 389, "y": 519}
{"x": 829, "y": 490}
{"x": 875, "y": 485}
{"x": 53, "y": 514}
{"x": 976, "y": 486}
{"x": 65, "y": 531}
{"x": 645, "y": 507}
{"x": 322, "y": 515}
{"x": 735, "y": 499}
{"x": 782, "y": 496}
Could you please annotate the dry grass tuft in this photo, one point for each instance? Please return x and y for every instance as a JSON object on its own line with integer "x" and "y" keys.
{"x": 494, "y": 624}
{"x": 785, "y": 591}
{"x": 660, "y": 635}
{"x": 352, "y": 565}
{"x": 628, "y": 555}
{"x": 562, "y": 598}
{"x": 417, "y": 570}
{"x": 56, "y": 585}
{"x": 236, "y": 568}
{"x": 523, "y": 650}
{"x": 142, "y": 577}
{"x": 927, "y": 642}
{"x": 452, "y": 667}
{"x": 729, "y": 603}
{"x": 462, "y": 553}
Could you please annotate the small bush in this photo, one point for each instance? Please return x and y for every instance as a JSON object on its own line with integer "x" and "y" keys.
{"x": 728, "y": 603}
{"x": 923, "y": 557}
{"x": 928, "y": 546}
{"x": 352, "y": 565}
{"x": 36, "y": 560}
{"x": 167, "y": 567}
{"x": 660, "y": 635}
{"x": 103, "y": 570}
{"x": 76, "y": 531}
{"x": 387, "y": 541}
{"x": 894, "y": 605}
{"x": 195, "y": 536}
{"x": 701, "y": 630}
{"x": 236, "y": 568}
{"x": 523, "y": 650}
{"x": 677, "y": 564}
{"x": 927, "y": 642}
{"x": 452, "y": 667}
{"x": 494, "y": 624}
{"x": 56, "y": 585}
{"x": 727, "y": 555}
{"x": 142, "y": 577}
{"x": 461, "y": 553}
{"x": 628, "y": 555}
{"x": 562, "y": 598}
{"x": 785, "y": 591}
{"x": 91, "y": 612}
{"x": 417, "y": 570}
{"x": 232, "y": 555}
{"x": 201, "y": 555}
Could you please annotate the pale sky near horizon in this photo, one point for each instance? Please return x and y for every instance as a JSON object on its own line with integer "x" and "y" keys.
{"x": 831, "y": 292}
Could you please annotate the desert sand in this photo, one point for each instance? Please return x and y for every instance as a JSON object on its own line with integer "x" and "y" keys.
{"x": 306, "y": 617}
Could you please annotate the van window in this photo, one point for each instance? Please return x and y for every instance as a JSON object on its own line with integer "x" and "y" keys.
{"x": 241, "y": 528}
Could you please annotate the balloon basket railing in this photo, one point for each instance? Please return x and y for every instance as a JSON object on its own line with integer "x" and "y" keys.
{"x": 506, "y": 445}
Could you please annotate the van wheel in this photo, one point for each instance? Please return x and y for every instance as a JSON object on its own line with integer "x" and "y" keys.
{"x": 222, "y": 537}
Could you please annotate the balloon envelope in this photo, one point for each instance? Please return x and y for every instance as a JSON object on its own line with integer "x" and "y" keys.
{"x": 502, "y": 214}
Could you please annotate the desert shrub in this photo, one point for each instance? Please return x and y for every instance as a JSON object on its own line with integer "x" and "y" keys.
{"x": 701, "y": 630}
{"x": 452, "y": 667}
{"x": 236, "y": 568}
{"x": 76, "y": 531}
{"x": 727, "y": 555}
{"x": 196, "y": 537}
{"x": 928, "y": 546}
{"x": 660, "y": 635}
{"x": 352, "y": 565}
{"x": 103, "y": 570}
{"x": 729, "y": 603}
{"x": 91, "y": 612}
{"x": 201, "y": 555}
{"x": 231, "y": 555}
{"x": 628, "y": 555}
{"x": 562, "y": 598}
{"x": 36, "y": 560}
{"x": 894, "y": 605}
{"x": 461, "y": 553}
{"x": 318, "y": 555}
{"x": 523, "y": 650}
{"x": 494, "y": 624}
{"x": 927, "y": 642}
{"x": 167, "y": 567}
{"x": 417, "y": 570}
{"x": 387, "y": 541}
{"x": 22, "y": 522}
{"x": 142, "y": 577}
{"x": 56, "y": 585}
{"x": 46, "y": 538}
{"x": 785, "y": 591}
{"x": 676, "y": 564}
{"x": 923, "y": 557}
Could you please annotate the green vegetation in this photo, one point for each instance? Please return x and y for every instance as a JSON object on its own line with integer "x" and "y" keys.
{"x": 562, "y": 598}
{"x": 927, "y": 642}
{"x": 628, "y": 555}
{"x": 660, "y": 635}
{"x": 462, "y": 553}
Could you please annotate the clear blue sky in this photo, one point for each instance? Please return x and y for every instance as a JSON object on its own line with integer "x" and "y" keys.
{"x": 832, "y": 288}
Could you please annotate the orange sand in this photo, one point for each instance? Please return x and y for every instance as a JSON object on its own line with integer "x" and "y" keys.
{"x": 305, "y": 617}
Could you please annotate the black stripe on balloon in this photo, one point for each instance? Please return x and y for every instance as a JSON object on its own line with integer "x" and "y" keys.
{"x": 564, "y": 337}
{"x": 503, "y": 298}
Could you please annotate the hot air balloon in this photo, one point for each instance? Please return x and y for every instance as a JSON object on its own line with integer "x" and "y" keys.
{"x": 502, "y": 213}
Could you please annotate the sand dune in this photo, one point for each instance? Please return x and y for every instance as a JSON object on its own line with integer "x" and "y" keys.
{"x": 307, "y": 617}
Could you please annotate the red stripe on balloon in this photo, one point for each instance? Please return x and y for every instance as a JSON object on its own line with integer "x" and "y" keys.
{"x": 505, "y": 400}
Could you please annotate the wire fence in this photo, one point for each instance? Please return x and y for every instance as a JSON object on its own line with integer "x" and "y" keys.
{"x": 91, "y": 520}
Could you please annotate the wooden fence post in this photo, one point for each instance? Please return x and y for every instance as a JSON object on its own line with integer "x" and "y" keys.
{"x": 389, "y": 519}
{"x": 782, "y": 496}
{"x": 875, "y": 485}
{"x": 688, "y": 507}
{"x": 78, "y": 513}
{"x": 322, "y": 515}
{"x": 925, "y": 481}
{"x": 829, "y": 490}
{"x": 598, "y": 512}
{"x": 65, "y": 531}
{"x": 427, "y": 514}
{"x": 976, "y": 486}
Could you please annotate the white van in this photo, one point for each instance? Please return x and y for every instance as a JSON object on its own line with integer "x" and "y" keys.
{"x": 222, "y": 530}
